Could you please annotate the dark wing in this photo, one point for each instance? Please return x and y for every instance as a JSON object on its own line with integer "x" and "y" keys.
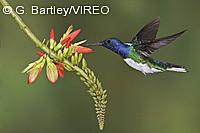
{"x": 165, "y": 40}
{"x": 147, "y": 48}
{"x": 149, "y": 31}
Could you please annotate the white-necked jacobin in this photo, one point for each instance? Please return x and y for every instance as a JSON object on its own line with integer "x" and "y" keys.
{"x": 137, "y": 52}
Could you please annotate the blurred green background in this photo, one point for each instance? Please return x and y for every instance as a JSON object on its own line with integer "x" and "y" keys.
{"x": 161, "y": 103}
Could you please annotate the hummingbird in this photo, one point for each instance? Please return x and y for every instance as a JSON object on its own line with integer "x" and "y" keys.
{"x": 136, "y": 53}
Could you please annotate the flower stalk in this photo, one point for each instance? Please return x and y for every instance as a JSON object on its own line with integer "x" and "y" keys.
{"x": 67, "y": 59}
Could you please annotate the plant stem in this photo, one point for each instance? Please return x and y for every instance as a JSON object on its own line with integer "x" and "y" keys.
{"x": 95, "y": 88}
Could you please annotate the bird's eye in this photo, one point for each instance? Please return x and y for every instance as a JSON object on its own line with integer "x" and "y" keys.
{"x": 108, "y": 41}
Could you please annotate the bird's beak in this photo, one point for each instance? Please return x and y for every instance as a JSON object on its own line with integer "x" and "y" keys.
{"x": 94, "y": 44}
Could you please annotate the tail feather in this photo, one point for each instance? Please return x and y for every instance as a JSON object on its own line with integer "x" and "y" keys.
{"x": 158, "y": 66}
{"x": 176, "y": 69}
{"x": 168, "y": 66}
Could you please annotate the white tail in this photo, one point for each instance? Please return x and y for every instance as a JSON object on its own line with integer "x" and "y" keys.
{"x": 176, "y": 69}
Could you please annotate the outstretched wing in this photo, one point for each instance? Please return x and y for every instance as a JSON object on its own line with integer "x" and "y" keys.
{"x": 158, "y": 43}
{"x": 148, "y": 47}
{"x": 149, "y": 31}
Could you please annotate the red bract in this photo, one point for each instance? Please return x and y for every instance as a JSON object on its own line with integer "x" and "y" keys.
{"x": 70, "y": 37}
{"x": 39, "y": 53}
{"x": 60, "y": 70}
{"x": 66, "y": 41}
{"x": 34, "y": 69}
{"x": 80, "y": 49}
{"x": 51, "y": 34}
{"x": 33, "y": 74}
{"x": 74, "y": 34}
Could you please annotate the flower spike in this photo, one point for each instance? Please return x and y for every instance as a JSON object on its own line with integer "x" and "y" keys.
{"x": 69, "y": 56}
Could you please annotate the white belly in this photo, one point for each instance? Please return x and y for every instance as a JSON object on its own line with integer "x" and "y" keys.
{"x": 144, "y": 68}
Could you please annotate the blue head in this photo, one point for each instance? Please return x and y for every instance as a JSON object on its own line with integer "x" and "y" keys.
{"x": 115, "y": 45}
